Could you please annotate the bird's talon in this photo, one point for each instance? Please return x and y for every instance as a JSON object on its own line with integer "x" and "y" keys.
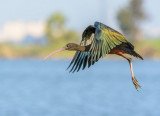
{"x": 135, "y": 82}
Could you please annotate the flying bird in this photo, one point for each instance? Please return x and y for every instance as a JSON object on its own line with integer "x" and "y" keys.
{"x": 97, "y": 41}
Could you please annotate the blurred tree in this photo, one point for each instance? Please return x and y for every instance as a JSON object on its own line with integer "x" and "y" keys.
{"x": 71, "y": 36}
{"x": 55, "y": 27}
{"x": 56, "y": 32}
{"x": 129, "y": 19}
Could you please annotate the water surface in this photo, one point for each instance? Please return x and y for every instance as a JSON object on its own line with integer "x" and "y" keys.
{"x": 37, "y": 88}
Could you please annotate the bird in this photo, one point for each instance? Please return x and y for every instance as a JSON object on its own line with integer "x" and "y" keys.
{"x": 99, "y": 40}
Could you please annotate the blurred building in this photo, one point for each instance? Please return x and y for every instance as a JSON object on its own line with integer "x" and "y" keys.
{"x": 17, "y": 31}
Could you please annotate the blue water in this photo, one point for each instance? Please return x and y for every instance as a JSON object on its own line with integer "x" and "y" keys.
{"x": 37, "y": 88}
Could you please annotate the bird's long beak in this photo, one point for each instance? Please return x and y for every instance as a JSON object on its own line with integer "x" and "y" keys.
{"x": 64, "y": 48}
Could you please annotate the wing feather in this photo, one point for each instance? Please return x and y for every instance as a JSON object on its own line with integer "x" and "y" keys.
{"x": 109, "y": 38}
{"x": 83, "y": 60}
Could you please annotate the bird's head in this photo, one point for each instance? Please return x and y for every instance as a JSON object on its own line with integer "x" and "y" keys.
{"x": 69, "y": 46}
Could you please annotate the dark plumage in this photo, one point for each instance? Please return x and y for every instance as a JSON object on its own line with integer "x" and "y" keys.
{"x": 97, "y": 41}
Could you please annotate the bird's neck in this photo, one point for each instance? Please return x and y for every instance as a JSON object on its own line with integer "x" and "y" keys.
{"x": 82, "y": 48}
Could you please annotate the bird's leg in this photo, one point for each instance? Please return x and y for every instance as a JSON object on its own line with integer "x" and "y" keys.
{"x": 134, "y": 80}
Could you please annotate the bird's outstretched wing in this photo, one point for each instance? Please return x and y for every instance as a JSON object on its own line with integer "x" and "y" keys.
{"x": 102, "y": 39}
{"x": 82, "y": 58}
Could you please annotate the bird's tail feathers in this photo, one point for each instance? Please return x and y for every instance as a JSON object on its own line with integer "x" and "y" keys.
{"x": 136, "y": 54}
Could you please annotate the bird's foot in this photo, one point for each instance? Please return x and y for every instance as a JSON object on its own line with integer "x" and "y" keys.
{"x": 135, "y": 82}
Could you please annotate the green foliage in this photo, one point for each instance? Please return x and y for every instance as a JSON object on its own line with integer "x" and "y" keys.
{"x": 137, "y": 10}
{"x": 71, "y": 36}
{"x": 129, "y": 19}
{"x": 56, "y": 31}
{"x": 54, "y": 27}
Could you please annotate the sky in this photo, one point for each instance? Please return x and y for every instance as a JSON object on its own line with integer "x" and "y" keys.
{"x": 79, "y": 13}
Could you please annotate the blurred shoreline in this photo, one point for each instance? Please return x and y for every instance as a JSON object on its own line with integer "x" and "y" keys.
{"x": 149, "y": 49}
{"x": 57, "y": 58}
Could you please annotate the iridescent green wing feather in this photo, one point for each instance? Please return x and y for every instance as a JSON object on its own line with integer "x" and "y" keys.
{"x": 105, "y": 40}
